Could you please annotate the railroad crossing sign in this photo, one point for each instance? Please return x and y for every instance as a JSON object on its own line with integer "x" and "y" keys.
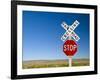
{"x": 70, "y": 31}
{"x": 70, "y": 46}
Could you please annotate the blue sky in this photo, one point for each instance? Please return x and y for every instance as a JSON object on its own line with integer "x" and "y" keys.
{"x": 42, "y": 33}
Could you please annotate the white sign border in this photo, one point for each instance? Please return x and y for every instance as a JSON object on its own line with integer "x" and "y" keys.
{"x": 21, "y": 71}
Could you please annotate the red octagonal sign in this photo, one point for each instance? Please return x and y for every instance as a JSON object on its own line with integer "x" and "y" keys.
{"x": 70, "y": 47}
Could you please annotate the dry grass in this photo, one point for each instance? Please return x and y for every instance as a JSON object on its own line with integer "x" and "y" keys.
{"x": 53, "y": 63}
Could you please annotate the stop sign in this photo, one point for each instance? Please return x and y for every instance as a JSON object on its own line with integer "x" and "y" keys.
{"x": 70, "y": 47}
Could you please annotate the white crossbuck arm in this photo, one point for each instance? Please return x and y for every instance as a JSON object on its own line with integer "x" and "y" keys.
{"x": 70, "y": 31}
{"x": 65, "y": 26}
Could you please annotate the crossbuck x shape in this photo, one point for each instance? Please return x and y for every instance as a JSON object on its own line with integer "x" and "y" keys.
{"x": 70, "y": 31}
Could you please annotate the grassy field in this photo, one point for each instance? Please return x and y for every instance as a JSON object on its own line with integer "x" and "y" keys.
{"x": 54, "y": 63}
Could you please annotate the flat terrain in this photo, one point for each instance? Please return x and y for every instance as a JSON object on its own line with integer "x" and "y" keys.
{"x": 53, "y": 63}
